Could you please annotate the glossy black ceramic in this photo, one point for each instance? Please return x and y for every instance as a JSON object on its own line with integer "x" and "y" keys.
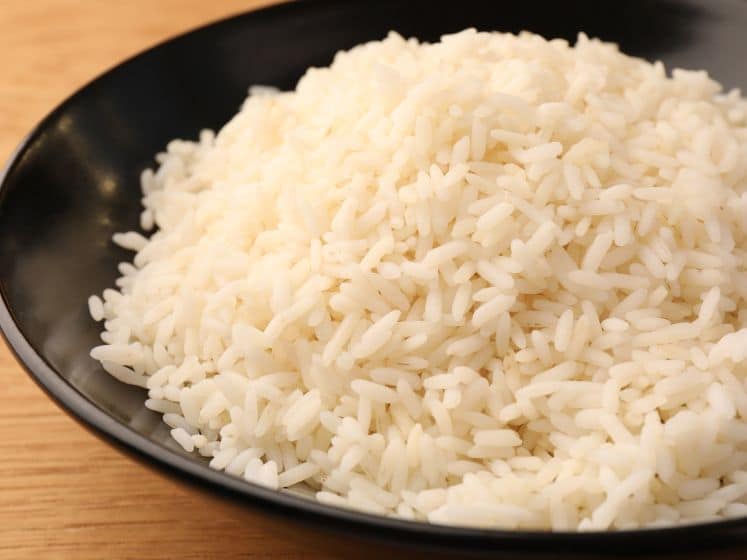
{"x": 74, "y": 182}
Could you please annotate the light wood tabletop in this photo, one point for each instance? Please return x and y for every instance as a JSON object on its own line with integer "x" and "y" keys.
{"x": 63, "y": 493}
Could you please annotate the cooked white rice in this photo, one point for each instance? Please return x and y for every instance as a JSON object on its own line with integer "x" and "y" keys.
{"x": 495, "y": 281}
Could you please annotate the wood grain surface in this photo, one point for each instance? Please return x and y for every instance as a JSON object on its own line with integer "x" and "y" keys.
{"x": 63, "y": 493}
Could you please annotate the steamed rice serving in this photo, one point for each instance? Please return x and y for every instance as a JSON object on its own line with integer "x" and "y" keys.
{"x": 495, "y": 281}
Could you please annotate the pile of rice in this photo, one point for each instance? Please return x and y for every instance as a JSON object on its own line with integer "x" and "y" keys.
{"x": 493, "y": 281}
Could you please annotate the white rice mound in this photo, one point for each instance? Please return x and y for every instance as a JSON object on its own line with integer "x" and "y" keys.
{"x": 495, "y": 281}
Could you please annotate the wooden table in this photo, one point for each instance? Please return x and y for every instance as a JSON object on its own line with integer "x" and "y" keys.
{"x": 63, "y": 493}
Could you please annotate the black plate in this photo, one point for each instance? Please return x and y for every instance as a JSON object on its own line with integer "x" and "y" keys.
{"x": 74, "y": 182}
